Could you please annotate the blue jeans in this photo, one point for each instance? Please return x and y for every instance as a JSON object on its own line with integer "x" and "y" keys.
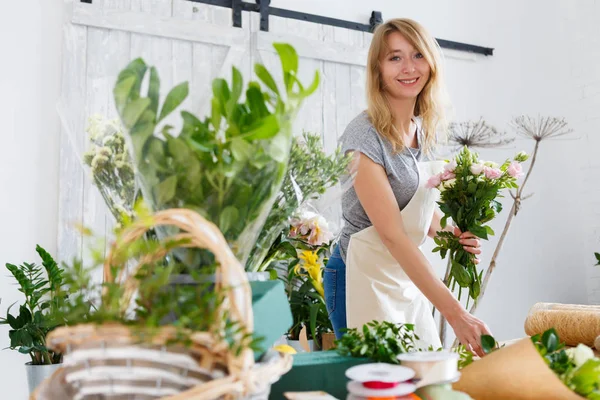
{"x": 334, "y": 282}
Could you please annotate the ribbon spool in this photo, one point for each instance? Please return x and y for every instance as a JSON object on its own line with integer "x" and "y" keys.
{"x": 380, "y": 381}
{"x": 432, "y": 367}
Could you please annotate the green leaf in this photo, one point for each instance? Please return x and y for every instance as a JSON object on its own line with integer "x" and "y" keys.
{"x": 165, "y": 191}
{"x": 256, "y": 101}
{"x": 460, "y": 274}
{"x": 154, "y": 90}
{"x": 53, "y": 272}
{"x": 227, "y": 218}
{"x": 280, "y": 147}
{"x": 266, "y": 128}
{"x": 121, "y": 92}
{"x": 489, "y": 230}
{"x": 241, "y": 149}
{"x": 550, "y": 340}
{"x": 314, "y": 312}
{"x": 479, "y": 231}
{"x": 265, "y": 76}
{"x": 444, "y": 221}
{"x": 174, "y": 99}
{"x": 288, "y": 57}
{"x": 597, "y": 258}
{"x": 216, "y": 114}
{"x": 134, "y": 110}
{"x": 313, "y": 86}
{"x": 236, "y": 91}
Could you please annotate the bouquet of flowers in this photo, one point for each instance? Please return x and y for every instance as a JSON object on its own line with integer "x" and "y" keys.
{"x": 111, "y": 166}
{"x": 469, "y": 190}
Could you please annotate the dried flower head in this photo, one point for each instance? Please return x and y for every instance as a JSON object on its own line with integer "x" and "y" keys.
{"x": 541, "y": 128}
{"x": 477, "y": 134}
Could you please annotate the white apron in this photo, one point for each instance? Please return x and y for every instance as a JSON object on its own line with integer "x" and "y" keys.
{"x": 377, "y": 288}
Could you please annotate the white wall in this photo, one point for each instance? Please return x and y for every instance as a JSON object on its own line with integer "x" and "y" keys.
{"x": 541, "y": 65}
{"x": 30, "y": 39}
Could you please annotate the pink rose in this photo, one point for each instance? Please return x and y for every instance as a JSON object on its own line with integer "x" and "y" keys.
{"x": 515, "y": 169}
{"x": 476, "y": 169}
{"x": 434, "y": 181}
{"x": 451, "y": 166}
{"x": 447, "y": 175}
{"x": 492, "y": 173}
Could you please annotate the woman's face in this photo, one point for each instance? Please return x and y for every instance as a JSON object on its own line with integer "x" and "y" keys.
{"x": 404, "y": 71}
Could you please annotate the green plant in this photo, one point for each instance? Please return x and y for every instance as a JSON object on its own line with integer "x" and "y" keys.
{"x": 229, "y": 166}
{"x": 378, "y": 341}
{"x": 189, "y": 308}
{"x": 42, "y": 288}
{"x": 311, "y": 171}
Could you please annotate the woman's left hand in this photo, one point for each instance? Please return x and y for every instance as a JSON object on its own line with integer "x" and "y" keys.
{"x": 470, "y": 242}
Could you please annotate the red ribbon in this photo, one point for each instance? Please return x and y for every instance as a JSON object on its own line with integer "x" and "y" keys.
{"x": 380, "y": 385}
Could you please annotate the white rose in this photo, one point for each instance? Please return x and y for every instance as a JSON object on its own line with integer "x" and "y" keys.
{"x": 580, "y": 354}
{"x": 449, "y": 183}
{"x": 477, "y": 169}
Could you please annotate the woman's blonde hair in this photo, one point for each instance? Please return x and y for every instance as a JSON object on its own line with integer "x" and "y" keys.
{"x": 430, "y": 105}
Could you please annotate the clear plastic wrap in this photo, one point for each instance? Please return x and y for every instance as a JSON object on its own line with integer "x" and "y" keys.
{"x": 314, "y": 183}
{"x": 228, "y": 166}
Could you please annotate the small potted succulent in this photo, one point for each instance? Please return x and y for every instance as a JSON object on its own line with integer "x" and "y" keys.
{"x": 41, "y": 287}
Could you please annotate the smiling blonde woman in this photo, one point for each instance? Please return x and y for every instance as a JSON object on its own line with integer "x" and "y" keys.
{"x": 377, "y": 271}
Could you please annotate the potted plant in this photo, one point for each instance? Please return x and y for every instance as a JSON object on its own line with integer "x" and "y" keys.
{"x": 36, "y": 317}
{"x": 303, "y": 251}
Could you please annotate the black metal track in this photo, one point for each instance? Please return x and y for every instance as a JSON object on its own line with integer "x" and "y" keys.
{"x": 265, "y": 10}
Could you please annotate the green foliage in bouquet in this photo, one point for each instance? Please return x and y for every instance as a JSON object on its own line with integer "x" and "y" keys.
{"x": 578, "y": 367}
{"x": 42, "y": 287}
{"x": 228, "y": 166}
{"x": 378, "y": 341}
{"x": 469, "y": 191}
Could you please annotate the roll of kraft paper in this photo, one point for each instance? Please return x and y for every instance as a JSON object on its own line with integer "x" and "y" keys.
{"x": 574, "y": 323}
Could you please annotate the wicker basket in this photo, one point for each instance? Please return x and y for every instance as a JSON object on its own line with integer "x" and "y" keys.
{"x": 108, "y": 361}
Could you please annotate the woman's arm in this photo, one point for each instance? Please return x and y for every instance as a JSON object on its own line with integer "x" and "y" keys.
{"x": 376, "y": 196}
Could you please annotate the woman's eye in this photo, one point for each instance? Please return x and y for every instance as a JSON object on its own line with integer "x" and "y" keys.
{"x": 418, "y": 55}
{"x": 395, "y": 58}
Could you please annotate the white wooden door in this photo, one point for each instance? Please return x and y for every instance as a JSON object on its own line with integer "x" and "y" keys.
{"x": 191, "y": 42}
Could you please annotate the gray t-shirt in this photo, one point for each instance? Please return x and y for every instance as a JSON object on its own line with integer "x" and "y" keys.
{"x": 401, "y": 169}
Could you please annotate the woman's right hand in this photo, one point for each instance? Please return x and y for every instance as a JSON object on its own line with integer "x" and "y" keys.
{"x": 468, "y": 329}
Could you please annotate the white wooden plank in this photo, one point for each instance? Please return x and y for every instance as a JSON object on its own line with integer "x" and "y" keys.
{"x": 99, "y": 91}
{"x": 310, "y": 116}
{"x": 327, "y": 51}
{"x": 149, "y": 24}
{"x": 357, "y": 78}
{"x": 200, "y": 88}
{"x": 182, "y": 59}
{"x": 190, "y": 10}
{"x": 73, "y": 91}
{"x": 118, "y": 55}
{"x": 156, "y": 51}
{"x": 221, "y": 16}
{"x": 329, "y": 98}
{"x": 342, "y": 84}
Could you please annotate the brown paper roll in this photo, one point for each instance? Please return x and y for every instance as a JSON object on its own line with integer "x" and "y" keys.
{"x": 515, "y": 372}
{"x": 574, "y": 323}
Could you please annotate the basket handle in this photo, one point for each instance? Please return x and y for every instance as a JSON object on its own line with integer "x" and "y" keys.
{"x": 200, "y": 233}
